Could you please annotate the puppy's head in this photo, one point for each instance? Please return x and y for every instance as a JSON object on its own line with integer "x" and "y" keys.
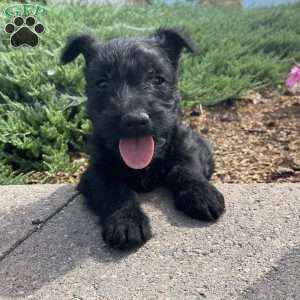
{"x": 131, "y": 89}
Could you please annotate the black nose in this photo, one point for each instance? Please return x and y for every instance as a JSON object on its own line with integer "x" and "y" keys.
{"x": 135, "y": 122}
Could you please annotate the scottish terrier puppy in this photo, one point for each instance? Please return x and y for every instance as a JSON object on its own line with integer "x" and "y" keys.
{"x": 138, "y": 141}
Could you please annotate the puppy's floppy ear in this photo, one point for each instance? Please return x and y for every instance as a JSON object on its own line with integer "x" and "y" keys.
{"x": 173, "y": 41}
{"x": 79, "y": 44}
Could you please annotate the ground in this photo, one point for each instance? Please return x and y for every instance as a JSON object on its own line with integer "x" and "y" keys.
{"x": 51, "y": 248}
{"x": 255, "y": 139}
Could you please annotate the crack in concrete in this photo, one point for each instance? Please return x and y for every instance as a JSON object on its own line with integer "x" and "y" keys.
{"x": 37, "y": 227}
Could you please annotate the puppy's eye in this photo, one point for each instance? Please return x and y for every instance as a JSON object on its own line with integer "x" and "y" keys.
{"x": 102, "y": 83}
{"x": 158, "y": 80}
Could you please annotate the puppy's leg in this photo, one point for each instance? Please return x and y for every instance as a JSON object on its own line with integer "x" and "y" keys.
{"x": 188, "y": 178}
{"x": 124, "y": 225}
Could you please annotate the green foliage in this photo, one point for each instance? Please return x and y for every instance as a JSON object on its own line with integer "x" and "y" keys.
{"x": 7, "y": 176}
{"x": 41, "y": 102}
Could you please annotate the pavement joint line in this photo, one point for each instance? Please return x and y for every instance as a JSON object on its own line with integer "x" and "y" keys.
{"x": 37, "y": 227}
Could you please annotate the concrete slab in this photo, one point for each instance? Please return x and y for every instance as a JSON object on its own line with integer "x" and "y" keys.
{"x": 25, "y": 207}
{"x": 253, "y": 252}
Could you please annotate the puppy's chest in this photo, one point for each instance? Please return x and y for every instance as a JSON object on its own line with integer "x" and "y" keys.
{"x": 146, "y": 180}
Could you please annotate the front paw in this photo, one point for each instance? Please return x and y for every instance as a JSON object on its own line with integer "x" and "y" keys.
{"x": 126, "y": 229}
{"x": 201, "y": 201}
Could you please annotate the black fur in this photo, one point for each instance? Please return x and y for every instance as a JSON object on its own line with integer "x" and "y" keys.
{"x": 128, "y": 77}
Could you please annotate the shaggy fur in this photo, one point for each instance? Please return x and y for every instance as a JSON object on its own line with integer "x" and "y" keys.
{"x": 130, "y": 78}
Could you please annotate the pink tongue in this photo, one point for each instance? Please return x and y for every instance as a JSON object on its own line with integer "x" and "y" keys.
{"x": 137, "y": 152}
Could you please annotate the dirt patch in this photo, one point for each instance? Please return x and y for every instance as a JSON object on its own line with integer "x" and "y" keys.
{"x": 255, "y": 139}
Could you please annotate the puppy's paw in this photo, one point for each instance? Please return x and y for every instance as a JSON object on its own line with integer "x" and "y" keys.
{"x": 126, "y": 229}
{"x": 201, "y": 201}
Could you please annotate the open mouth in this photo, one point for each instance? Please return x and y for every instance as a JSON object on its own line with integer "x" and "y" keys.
{"x": 137, "y": 152}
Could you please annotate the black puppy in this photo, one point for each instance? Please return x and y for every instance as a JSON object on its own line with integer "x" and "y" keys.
{"x": 137, "y": 140}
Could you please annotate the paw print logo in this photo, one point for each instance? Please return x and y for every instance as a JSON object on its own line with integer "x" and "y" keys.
{"x": 24, "y": 32}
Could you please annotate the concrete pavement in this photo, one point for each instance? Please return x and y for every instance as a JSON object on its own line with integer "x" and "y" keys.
{"x": 23, "y": 207}
{"x": 51, "y": 248}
